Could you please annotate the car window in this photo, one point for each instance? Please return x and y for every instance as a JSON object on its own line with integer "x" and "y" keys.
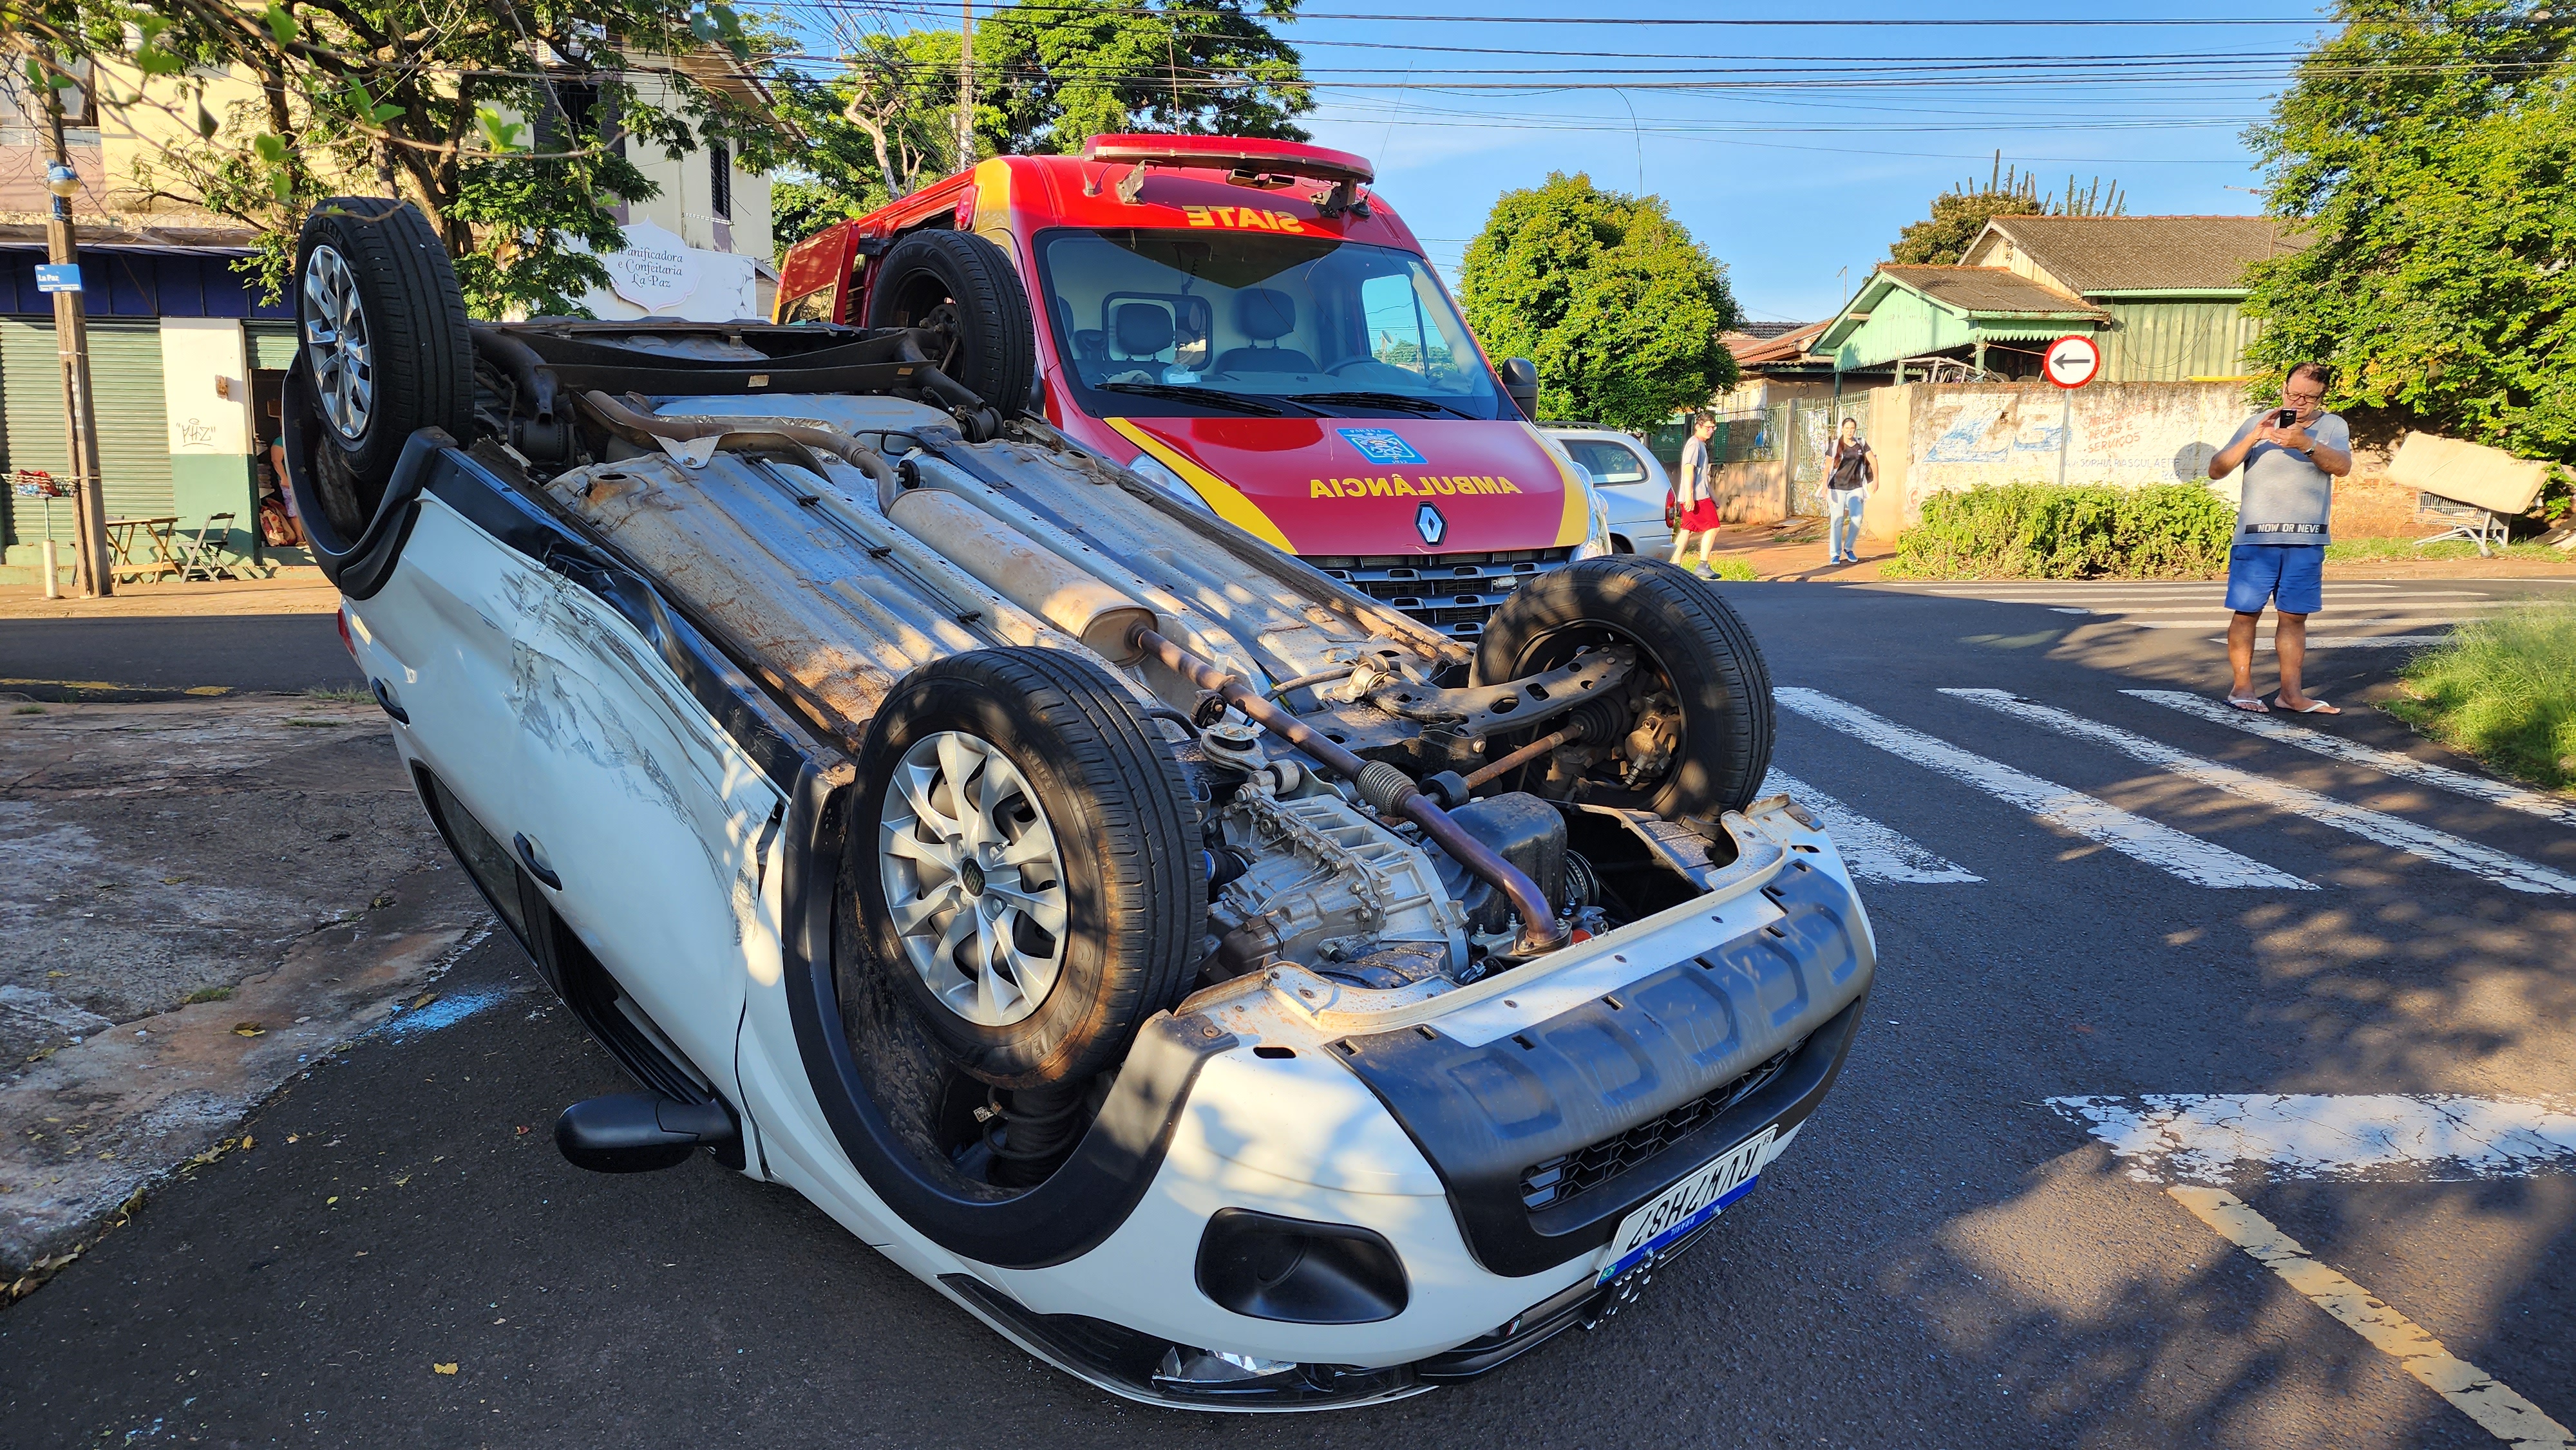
{"x": 1606, "y": 462}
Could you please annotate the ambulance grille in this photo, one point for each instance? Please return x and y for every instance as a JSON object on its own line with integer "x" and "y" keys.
{"x": 1452, "y": 593}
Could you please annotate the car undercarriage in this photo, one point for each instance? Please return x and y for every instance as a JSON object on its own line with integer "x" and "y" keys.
{"x": 1233, "y": 990}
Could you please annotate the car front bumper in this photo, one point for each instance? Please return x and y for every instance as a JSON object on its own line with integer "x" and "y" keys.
{"x": 1685, "y": 1036}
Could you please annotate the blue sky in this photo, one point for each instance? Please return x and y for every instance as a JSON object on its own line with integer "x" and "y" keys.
{"x": 1790, "y": 151}
{"x": 1789, "y": 183}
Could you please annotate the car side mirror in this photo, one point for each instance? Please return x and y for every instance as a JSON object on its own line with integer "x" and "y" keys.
{"x": 1520, "y": 379}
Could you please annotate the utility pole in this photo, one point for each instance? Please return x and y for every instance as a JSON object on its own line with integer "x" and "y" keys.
{"x": 965, "y": 84}
{"x": 71, "y": 345}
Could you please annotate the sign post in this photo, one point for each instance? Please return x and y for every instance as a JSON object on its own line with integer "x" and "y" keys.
{"x": 71, "y": 348}
{"x": 2071, "y": 362}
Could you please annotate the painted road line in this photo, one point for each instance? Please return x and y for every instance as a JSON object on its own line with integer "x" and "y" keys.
{"x": 2475, "y": 1393}
{"x": 2339, "y": 1137}
{"x": 2215, "y": 599}
{"x": 2511, "y": 872}
{"x": 2366, "y": 610}
{"x": 2386, "y": 762}
{"x": 1873, "y": 851}
{"x": 2203, "y": 863}
{"x": 2341, "y": 621}
{"x": 2358, "y": 641}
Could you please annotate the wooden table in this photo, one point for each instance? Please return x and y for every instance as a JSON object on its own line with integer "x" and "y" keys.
{"x": 153, "y": 534}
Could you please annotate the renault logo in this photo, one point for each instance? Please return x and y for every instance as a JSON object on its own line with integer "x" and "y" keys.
{"x": 1428, "y": 523}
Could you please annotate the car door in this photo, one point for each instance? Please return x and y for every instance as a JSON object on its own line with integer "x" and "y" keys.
{"x": 652, "y": 819}
{"x": 547, "y": 719}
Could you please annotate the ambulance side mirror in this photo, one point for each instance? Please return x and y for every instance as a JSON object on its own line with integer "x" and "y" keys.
{"x": 1520, "y": 379}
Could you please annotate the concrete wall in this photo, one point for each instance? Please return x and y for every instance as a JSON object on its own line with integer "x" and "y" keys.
{"x": 210, "y": 433}
{"x": 1933, "y": 437}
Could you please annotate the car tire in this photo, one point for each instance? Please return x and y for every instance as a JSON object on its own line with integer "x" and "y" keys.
{"x": 1129, "y": 878}
{"x": 373, "y": 273}
{"x": 1685, "y": 632}
{"x": 964, "y": 289}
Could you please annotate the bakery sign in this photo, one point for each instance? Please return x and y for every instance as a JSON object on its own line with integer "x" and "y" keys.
{"x": 656, "y": 271}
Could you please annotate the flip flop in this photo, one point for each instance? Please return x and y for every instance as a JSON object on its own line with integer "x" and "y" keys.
{"x": 2250, "y": 704}
{"x": 2313, "y": 707}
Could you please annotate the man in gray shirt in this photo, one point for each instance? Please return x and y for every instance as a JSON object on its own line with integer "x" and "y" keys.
{"x": 2291, "y": 456}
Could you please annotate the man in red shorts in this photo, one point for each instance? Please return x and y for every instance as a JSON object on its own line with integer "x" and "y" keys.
{"x": 1694, "y": 500}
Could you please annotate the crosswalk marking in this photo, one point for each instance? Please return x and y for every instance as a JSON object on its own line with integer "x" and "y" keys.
{"x": 2200, "y": 862}
{"x": 2386, "y": 762}
{"x": 2511, "y": 872}
{"x": 1873, "y": 851}
{"x": 2337, "y": 1137}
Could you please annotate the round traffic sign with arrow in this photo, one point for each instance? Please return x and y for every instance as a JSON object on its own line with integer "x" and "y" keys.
{"x": 2072, "y": 360}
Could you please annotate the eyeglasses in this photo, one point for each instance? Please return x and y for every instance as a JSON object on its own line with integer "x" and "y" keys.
{"x": 2289, "y": 397}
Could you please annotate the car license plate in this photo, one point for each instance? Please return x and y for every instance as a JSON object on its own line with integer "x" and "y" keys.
{"x": 1688, "y": 1204}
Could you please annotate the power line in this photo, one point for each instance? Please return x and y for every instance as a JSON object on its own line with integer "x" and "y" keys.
{"x": 1039, "y": 7}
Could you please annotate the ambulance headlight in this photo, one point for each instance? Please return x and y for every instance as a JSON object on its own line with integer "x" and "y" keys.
{"x": 1153, "y": 471}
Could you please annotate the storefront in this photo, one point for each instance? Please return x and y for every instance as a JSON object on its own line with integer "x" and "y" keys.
{"x": 186, "y": 364}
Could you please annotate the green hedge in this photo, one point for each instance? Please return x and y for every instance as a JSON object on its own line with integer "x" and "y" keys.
{"x": 2041, "y": 531}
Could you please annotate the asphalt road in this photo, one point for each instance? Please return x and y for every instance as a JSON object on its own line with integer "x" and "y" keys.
{"x": 1943, "y": 1259}
{"x": 158, "y": 658}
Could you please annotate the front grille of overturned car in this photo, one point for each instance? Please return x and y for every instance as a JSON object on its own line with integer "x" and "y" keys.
{"x": 1545, "y": 1185}
{"x": 1453, "y": 593}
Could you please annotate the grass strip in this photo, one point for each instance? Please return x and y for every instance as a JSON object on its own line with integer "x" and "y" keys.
{"x": 2504, "y": 690}
{"x": 2379, "y": 551}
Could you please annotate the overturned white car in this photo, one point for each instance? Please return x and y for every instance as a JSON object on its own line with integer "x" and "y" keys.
{"x": 1231, "y": 990}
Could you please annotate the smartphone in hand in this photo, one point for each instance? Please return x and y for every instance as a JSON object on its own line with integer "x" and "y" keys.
{"x": 2286, "y": 418}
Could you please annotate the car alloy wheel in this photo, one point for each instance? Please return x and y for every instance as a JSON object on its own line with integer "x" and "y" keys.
{"x": 974, "y": 880}
{"x": 336, "y": 343}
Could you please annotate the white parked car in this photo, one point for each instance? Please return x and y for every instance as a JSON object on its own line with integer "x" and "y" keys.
{"x": 1627, "y": 481}
{"x": 1227, "y": 988}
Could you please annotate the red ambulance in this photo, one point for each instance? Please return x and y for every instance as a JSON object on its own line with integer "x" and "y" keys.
{"x": 1245, "y": 323}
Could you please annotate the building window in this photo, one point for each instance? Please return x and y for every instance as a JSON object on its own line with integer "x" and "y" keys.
{"x": 720, "y": 179}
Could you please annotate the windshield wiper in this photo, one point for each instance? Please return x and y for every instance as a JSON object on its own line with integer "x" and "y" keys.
{"x": 1213, "y": 397}
{"x": 1403, "y": 402}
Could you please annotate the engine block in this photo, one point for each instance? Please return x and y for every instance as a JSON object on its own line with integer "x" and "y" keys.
{"x": 1324, "y": 883}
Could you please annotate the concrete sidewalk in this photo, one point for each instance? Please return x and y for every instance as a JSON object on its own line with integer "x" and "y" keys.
{"x": 292, "y": 591}
{"x": 204, "y": 897}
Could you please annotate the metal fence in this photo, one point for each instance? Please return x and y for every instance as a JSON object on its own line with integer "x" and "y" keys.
{"x": 1797, "y": 431}
{"x": 1811, "y": 427}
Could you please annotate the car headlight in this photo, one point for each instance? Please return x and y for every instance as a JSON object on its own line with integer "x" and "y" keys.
{"x": 1599, "y": 543}
{"x": 1154, "y": 471}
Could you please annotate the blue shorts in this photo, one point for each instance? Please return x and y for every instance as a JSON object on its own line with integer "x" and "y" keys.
{"x": 2291, "y": 576}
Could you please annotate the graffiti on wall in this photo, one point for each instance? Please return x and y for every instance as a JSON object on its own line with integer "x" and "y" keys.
{"x": 1967, "y": 435}
{"x": 1989, "y": 431}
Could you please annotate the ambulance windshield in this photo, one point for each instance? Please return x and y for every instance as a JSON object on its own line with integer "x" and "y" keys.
{"x": 1156, "y": 323}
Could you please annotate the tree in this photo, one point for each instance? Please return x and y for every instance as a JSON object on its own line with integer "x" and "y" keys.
{"x": 1959, "y": 214}
{"x": 1048, "y": 75}
{"x": 878, "y": 130}
{"x": 2427, "y": 152}
{"x": 507, "y": 122}
{"x": 1619, "y": 308}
